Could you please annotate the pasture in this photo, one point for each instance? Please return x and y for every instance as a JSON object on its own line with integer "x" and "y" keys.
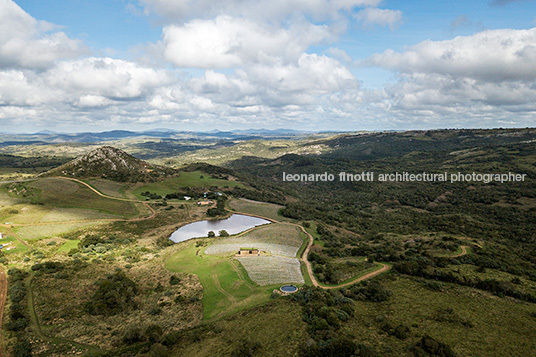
{"x": 226, "y": 286}
{"x": 185, "y": 179}
{"x": 263, "y": 209}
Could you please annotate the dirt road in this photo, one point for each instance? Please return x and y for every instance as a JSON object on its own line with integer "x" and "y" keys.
{"x": 464, "y": 252}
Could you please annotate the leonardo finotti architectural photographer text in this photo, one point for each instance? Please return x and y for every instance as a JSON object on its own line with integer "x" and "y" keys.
{"x": 370, "y": 176}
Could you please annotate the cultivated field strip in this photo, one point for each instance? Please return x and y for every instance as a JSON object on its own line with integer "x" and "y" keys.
{"x": 274, "y": 249}
{"x": 276, "y": 239}
{"x": 266, "y": 270}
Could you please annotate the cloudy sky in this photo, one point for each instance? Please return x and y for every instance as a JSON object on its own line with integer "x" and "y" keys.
{"x": 77, "y": 65}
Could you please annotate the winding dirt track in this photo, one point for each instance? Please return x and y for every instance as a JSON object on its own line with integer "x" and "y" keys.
{"x": 303, "y": 258}
{"x": 384, "y": 268}
{"x": 464, "y": 252}
{"x": 3, "y": 296}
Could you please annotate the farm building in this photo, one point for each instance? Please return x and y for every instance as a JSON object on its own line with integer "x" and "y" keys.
{"x": 248, "y": 252}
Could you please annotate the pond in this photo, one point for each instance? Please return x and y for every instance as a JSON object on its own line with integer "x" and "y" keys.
{"x": 235, "y": 224}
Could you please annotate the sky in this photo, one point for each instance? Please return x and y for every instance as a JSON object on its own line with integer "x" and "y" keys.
{"x": 200, "y": 65}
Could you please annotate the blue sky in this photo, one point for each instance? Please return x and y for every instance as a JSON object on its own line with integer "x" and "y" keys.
{"x": 316, "y": 65}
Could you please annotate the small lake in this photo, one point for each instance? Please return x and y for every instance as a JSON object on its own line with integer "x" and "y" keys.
{"x": 235, "y": 224}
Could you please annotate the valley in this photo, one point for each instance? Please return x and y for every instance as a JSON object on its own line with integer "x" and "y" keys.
{"x": 91, "y": 269}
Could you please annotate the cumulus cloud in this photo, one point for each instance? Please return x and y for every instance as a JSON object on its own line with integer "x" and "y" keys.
{"x": 107, "y": 77}
{"x": 227, "y": 42}
{"x": 493, "y": 55}
{"x": 382, "y": 17}
{"x": 28, "y": 43}
{"x": 488, "y": 74}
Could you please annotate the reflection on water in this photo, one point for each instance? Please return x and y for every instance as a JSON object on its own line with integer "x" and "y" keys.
{"x": 235, "y": 224}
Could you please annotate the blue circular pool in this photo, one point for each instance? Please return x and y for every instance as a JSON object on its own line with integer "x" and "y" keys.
{"x": 289, "y": 289}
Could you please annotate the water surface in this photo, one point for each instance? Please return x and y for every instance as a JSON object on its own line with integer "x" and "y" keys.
{"x": 235, "y": 224}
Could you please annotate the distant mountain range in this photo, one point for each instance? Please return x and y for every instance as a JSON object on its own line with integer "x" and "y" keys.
{"x": 47, "y": 136}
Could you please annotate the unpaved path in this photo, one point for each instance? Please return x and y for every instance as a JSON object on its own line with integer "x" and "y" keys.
{"x": 303, "y": 258}
{"x": 137, "y": 219}
{"x": 464, "y": 252}
{"x": 231, "y": 298}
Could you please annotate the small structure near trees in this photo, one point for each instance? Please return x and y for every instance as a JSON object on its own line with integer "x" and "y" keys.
{"x": 244, "y": 252}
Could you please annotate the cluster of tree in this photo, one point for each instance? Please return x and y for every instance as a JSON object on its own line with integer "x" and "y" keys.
{"x": 325, "y": 313}
{"x": 7, "y": 160}
{"x": 150, "y": 195}
{"x": 219, "y": 210}
{"x": 18, "y": 319}
{"x": 425, "y": 268}
{"x": 115, "y": 294}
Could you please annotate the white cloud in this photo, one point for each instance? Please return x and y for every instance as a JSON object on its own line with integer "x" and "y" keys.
{"x": 227, "y": 42}
{"x": 493, "y": 55}
{"x": 107, "y": 77}
{"x": 382, "y": 17}
{"x": 28, "y": 43}
{"x": 480, "y": 79}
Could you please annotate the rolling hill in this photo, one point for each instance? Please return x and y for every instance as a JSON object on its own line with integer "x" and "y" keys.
{"x": 113, "y": 164}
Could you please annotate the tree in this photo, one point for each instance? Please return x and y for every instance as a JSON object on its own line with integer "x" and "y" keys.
{"x": 211, "y": 234}
{"x": 223, "y": 233}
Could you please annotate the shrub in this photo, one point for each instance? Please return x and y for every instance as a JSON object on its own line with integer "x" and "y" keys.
{"x": 174, "y": 280}
{"x": 115, "y": 293}
{"x": 153, "y": 333}
{"x": 23, "y": 348}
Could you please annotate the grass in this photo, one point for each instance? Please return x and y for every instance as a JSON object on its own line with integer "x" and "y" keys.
{"x": 416, "y": 307}
{"x": 226, "y": 289}
{"x": 275, "y": 238}
{"x": 62, "y": 193}
{"x": 107, "y": 187}
{"x": 19, "y": 247}
{"x": 186, "y": 179}
{"x": 67, "y": 246}
{"x": 277, "y": 327}
{"x": 263, "y": 209}
{"x": 49, "y": 230}
{"x": 312, "y": 231}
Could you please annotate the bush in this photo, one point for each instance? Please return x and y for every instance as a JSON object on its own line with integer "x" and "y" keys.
{"x": 115, "y": 293}
{"x": 246, "y": 348}
{"x": 428, "y": 345}
{"x": 174, "y": 280}
{"x": 132, "y": 335}
{"x": 223, "y": 233}
{"x": 153, "y": 333}
{"x": 23, "y": 348}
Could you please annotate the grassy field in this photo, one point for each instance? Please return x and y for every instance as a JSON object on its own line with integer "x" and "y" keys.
{"x": 110, "y": 188}
{"x": 277, "y": 328}
{"x": 263, "y": 209}
{"x": 49, "y": 230}
{"x": 63, "y": 193}
{"x": 458, "y": 316}
{"x": 186, "y": 179}
{"x": 226, "y": 287}
{"x": 275, "y": 239}
{"x": 67, "y": 246}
